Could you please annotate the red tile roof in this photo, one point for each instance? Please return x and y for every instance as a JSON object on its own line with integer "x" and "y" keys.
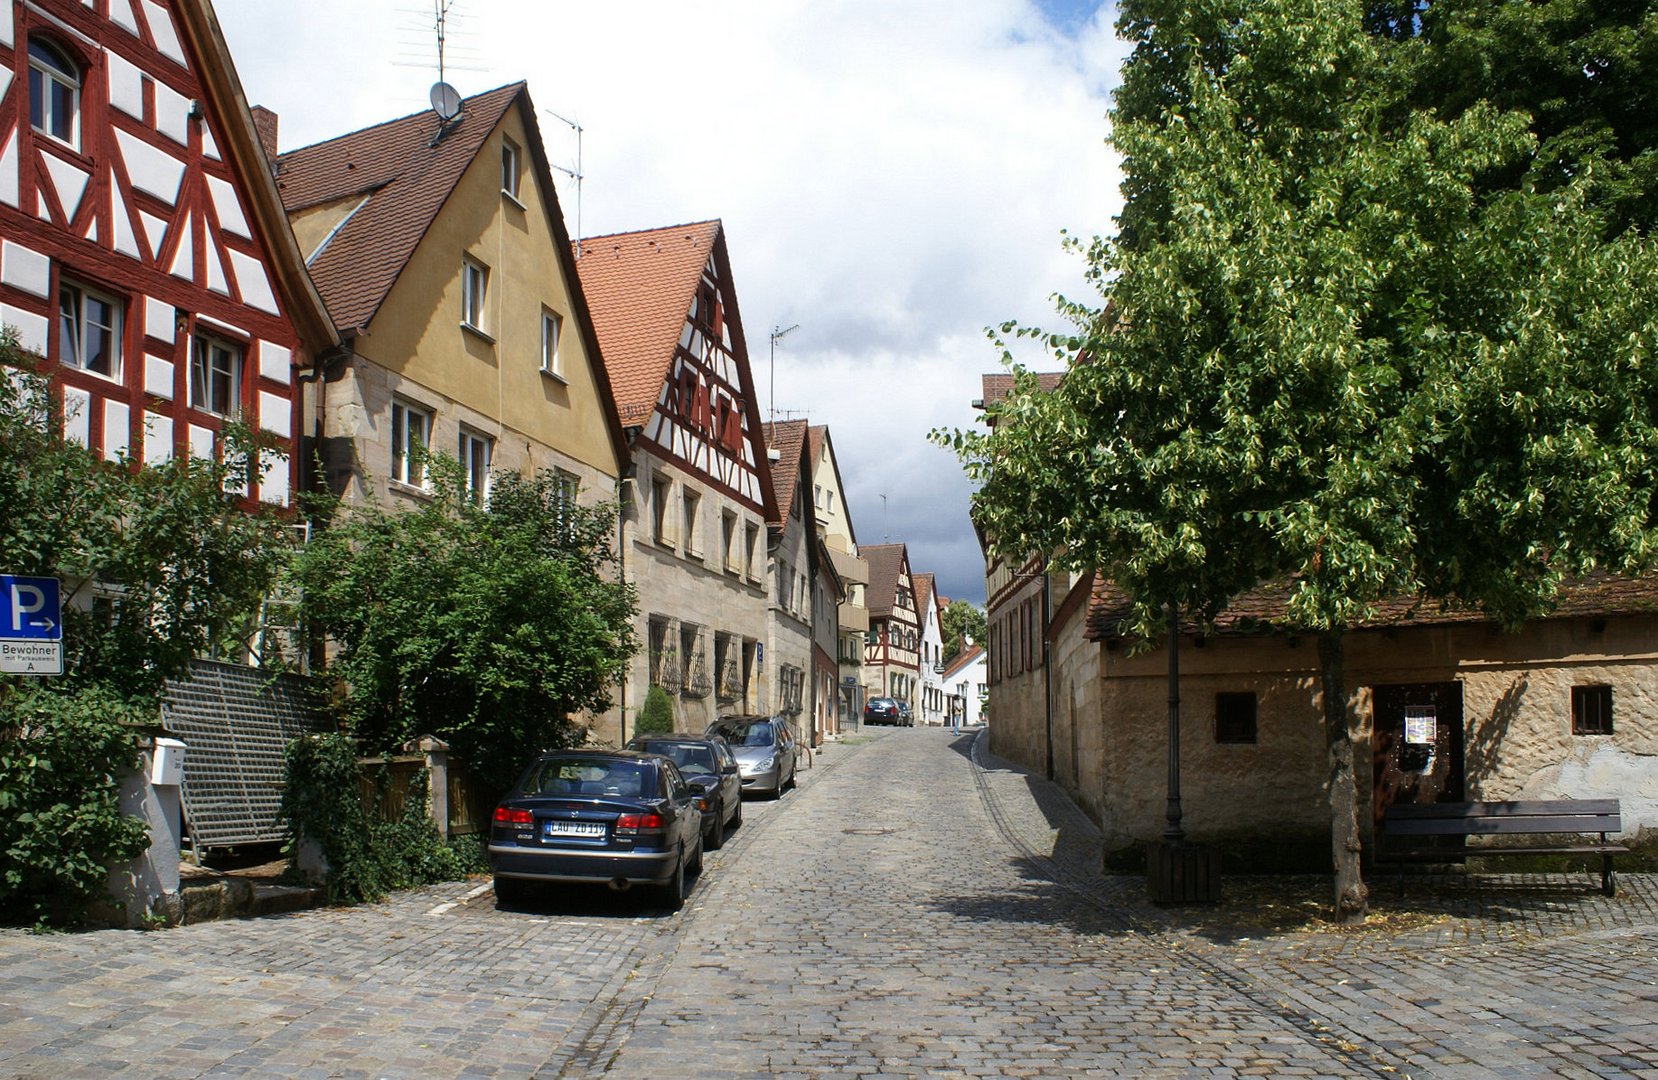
{"x": 923, "y": 593}
{"x": 966, "y": 657}
{"x": 1265, "y": 609}
{"x": 814, "y": 441}
{"x": 998, "y": 386}
{"x": 639, "y": 287}
{"x": 886, "y": 563}
{"x": 788, "y": 438}
{"x": 404, "y": 181}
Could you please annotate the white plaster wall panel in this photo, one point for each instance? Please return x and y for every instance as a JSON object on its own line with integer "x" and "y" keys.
{"x": 184, "y": 260}
{"x": 274, "y": 414}
{"x": 201, "y": 442}
{"x": 158, "y": 376}
{"x": 172, "y": 114}
{"x": 5, "y": 79}
{"x": 275, "y": 362}
{"x": 152, "y": 170}
{"x": 120, "y": 13}
{"x": 6, "y": 25}
{"x": 158, "y": 439}
{"x": 42, "y": 212}
{"x": 209, "y": 148}
{"x": 125, "y": 240}
{"x": 216, "y": 279}
{"x": 26, "y": 269}
{"x": 31, "y": 328}
{"x": 126, "y": 82}
{"x": 273, "y": 486}
{"x": 250, "y": 277}
{"x": 8, "y": 171}
{"x": 158, "y": 319}
{"x": 155, "y": 230}
{"x": 70, "y": 182}
{"x": 77, "y": 415}
{"x": 161, "y": 28}
{"x": 116, "y": 436}
{"x": 228, "y": 207}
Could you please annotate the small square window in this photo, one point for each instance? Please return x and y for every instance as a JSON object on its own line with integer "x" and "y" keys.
{"x": 474, "y": 285}
{"x": 1591, "y": 710}
{"x": 552, "y": 326}
{"x": 411, "y": 433}
{"x": 475, "y": 454}
{"x": 1235, "y": 718}
{"x": 54, "y": 93}
{"x": 215, "y": 375}
{"x": 89, "y": 330}
{"x": 509, "y": 167}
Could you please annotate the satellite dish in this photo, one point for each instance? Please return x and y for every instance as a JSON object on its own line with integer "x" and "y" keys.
{"x": 446, "y": 101}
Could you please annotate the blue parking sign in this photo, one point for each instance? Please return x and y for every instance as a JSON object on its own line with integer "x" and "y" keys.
{"x": 30, "y": 609}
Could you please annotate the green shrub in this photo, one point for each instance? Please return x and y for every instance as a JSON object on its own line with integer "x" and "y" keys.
{"x": 656, "y": 716}
{"x": 62, "y": 758}
{"x": 367, "y": 857}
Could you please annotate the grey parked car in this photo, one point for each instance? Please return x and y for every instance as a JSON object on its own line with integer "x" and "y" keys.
{"x": 766, "y": 751}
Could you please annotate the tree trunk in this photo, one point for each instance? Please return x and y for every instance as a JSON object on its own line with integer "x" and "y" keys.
{"x": 1351, "y": 896}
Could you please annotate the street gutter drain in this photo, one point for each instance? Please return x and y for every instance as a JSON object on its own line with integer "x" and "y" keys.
{"x": 869, "y": 832}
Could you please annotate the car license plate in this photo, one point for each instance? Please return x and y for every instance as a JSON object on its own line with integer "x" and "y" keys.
{"x": 575, "y": 828}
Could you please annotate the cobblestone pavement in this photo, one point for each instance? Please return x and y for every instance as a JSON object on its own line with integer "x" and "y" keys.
{"x": 912, "y": 909}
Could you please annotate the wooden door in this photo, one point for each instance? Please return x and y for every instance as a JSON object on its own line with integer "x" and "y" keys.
{"x": 1416, "y": 744}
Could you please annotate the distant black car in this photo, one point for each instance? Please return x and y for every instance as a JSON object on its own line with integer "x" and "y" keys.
{"x": 620, "y": 818}
{"x": 704, "y": 758}
{"x": 881, "y": 710}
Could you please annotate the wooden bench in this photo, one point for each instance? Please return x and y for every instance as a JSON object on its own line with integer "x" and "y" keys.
{"x": 1569, "y": 816}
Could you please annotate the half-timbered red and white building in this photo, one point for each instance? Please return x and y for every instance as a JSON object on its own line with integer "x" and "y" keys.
{"x": 892, "y": 653}
{"x": 695, "y": 515}
{"x": 145, "y": 261}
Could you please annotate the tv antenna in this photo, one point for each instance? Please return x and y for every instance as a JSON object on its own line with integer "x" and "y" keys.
{"x": 574, "y": 174}
{"x": 777, "y": 334}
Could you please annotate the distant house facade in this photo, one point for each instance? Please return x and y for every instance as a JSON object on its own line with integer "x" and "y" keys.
{"x": 965, "y": 687}
{"x": 793, "y": 559}
{"x": 440, "y": 249}
{"x": 930, "y": 697}
{"x": 840, "y": 539}
{"x": 695, "y": 512}
{"x": 892, "y": 653}
{"x": 144, "y": 258}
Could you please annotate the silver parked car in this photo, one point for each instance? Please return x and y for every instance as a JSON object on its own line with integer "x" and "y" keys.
{"x": 767, "y": 753}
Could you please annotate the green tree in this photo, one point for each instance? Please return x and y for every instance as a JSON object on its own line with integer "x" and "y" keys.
{"x": 961, "y": 621}
{"x": 1331, "y": 356}
{"x": 657, "y": 715}
{"x": 487, "y": 625}
{"x": 158, "y": 565}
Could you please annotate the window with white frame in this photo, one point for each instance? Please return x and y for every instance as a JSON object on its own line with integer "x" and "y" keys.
{"x": 475, "y": 454}
{"x": 509, "y": 167}
{"x": 565, "y": 489}
{"x": 89, "y": 330}
{"x": 474, "y": 286}
{"x": 215, "y": 374}
{"x": 552, "y": 326}
{"x": 411, "y": 434}
{"x": 54, "y": 93}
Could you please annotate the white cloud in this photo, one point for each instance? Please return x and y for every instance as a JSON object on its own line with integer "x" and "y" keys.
{"x": 892, "y": 176}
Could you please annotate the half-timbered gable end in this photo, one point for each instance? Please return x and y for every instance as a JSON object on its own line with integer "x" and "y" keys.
{"x": 144, "y": 257}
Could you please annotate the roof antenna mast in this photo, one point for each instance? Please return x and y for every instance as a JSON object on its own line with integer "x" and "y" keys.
{"x": 777, "y": 334}
{"x": 574, "y": 174}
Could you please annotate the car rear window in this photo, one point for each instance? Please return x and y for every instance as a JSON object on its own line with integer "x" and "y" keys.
{"x": 587, "y": 776}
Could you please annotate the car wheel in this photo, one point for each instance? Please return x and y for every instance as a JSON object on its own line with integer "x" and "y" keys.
{"x": 673, "y": 891}
{"x": 737, "y": 817}
{"x": 715, "y": 838}
{"x": 696, "y": 864}
{"x": 510, "y": 892}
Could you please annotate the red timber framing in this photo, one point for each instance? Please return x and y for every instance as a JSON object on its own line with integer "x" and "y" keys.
{"x": 706, "y": 419}
{"x": 134, "y": 259}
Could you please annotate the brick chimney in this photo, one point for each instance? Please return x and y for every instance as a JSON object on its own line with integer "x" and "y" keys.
{"x": 264, "y": 123}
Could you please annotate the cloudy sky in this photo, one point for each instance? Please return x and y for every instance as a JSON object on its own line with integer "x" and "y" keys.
{"x": 893, "y": 176}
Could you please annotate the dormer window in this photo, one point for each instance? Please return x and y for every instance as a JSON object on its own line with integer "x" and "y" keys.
{"x": 54, "y": 93}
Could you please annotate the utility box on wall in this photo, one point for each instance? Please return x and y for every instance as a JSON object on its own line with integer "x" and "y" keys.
{"x": 167, "y": 763}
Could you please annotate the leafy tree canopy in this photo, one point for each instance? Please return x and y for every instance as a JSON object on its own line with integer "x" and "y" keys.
{"x": 487, "y": 626}
{"x": 960, "y": 622}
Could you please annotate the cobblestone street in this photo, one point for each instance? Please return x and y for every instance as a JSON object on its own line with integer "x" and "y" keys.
{"x": 913, "y": 909}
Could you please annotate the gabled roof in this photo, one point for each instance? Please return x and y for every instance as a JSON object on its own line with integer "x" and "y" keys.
{"x": 923, "y": 593}
{"x": 819, "y": 439}
{"x": 788, "y": 438}
{"x": 404, "y": 181}
{"x": 965, "y": 659}
{"x": 886, "y": 565}
{"x": 1264, "y": 610}
{"x": 639, "y": 287}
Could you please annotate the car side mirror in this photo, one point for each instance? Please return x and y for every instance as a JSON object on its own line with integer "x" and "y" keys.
{"x": 728, "y": 769}
{"x": 701, "y": 787}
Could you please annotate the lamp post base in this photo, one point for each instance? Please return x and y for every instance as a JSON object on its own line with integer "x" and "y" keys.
{"x": 1182, "y": 873}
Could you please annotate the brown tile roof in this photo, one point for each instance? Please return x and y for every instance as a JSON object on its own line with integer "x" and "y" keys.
{"x": 788, "y": 438}
{"x": 814, "y": 442}
{"x": 923, "y": 591}
{"x": 998, "y": 386}
{"x": 967, "y": 656}
{"x": 639, "y": 287}
{"x": 886, "y": 563}
{"x": 1264, "y": 609}
{"x": 405, "y": 180}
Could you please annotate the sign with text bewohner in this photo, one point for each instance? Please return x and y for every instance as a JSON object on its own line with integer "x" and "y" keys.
{"x": 31, "y": 626}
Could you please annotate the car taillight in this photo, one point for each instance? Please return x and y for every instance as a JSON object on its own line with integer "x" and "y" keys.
{"x": 506, "y": 815}
{"x": 638, "y": 824}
